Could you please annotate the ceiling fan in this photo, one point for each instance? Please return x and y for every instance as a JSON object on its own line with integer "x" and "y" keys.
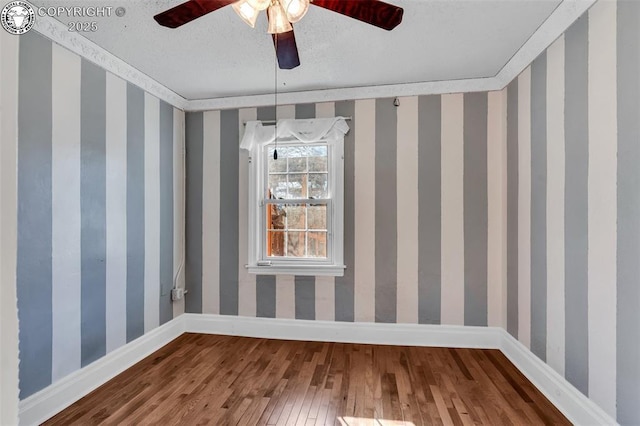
{"x": 281, "y": 14}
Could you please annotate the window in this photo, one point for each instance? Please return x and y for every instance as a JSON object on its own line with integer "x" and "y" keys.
{"x": 296, "y": 206}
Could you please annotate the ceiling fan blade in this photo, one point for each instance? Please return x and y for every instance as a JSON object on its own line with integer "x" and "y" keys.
{"x": 187, "y": 12}
{"x": 286, "y": 50}
{"x": 374, "y": 12}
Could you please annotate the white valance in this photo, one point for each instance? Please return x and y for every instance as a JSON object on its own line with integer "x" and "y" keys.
{"x": 306, "y": 131}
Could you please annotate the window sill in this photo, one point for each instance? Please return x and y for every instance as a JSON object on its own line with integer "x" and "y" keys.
{"x": 305, "y": 270}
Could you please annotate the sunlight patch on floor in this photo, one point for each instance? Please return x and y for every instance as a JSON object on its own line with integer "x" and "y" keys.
{"x": 361, "y": 421}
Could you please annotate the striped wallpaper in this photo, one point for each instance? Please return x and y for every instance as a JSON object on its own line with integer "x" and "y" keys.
{"x": 99, "y": 174}
{"x": 518, "y": 209}
{"x": 420, "y": 180}
{"x": 574, "y": 207}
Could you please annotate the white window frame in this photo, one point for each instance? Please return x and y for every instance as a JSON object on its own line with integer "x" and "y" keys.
{"x": 258, "y": 263}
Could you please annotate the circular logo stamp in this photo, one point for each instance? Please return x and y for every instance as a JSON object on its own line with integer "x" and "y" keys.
{"x": 17, "y": 17}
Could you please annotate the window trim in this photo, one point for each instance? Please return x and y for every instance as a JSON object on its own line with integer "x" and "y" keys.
{"x": 334, "y": 266}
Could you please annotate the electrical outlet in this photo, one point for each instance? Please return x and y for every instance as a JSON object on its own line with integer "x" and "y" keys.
{"x": 177, "y": 294}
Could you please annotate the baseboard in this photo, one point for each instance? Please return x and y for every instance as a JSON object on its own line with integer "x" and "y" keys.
{"x": 347, "y": 332}
{"x": 49, "y": 401}
{"x": 572, "y": 403}
{"x": 579, "y": 409}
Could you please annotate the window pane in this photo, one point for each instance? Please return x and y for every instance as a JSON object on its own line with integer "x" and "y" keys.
{"x": 279, "y": 165}
{"x": 317, "y": 244}
{"x": 297, "y": 186}
{"x": 275, "y": 243}
{"x": 318, "y": 184}
{"x": 318, "y": 164}
{"x": 275, "y": 216}
{"x": 295, "y": 244}
{"x": 296, "y": 216}
{"x": 277, "y": 186}
{"x": 298, "y": 164}
{"x": 317, "y": 216}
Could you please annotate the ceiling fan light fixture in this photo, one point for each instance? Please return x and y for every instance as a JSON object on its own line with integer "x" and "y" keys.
{"x": 278, "y": 22}
{"x": 259, "y": 4}
{"x": 295, "y": 9}
{"x": 248, "y": 13}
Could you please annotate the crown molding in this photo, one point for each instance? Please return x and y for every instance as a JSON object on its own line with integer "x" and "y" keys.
{"x": 553, "y": 27}
{"x": 349, "y": 93}
{"x": 59, "y": 33}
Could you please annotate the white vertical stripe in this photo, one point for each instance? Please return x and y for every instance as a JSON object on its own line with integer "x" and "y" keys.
{"x": 178, "y": 207}
{"x": 496, "y": 178}
{"x": 246, "y": 281}
{"x": 555, "y": 206}
{"x": 116, "y": 206}
{"x": 65, "y": 187}
{"x": 211, "y": 213}
{"x": 325, "y": 298}
{"x": 407, "y": 208}
{"x": 151, "y": 212}
{"x": 8, "y": 228}
{"x": 602, "y": 205}
{"x": 285, "y": 296}
{"x": 285, "y": 111}
{"x": 325, "y": 110}
{"x": 364, "y": 206}
{"x": 325, "y": 286}
{"x": 452, "y": 209}
{"x": 503, "y": 166}
{"x": 524, "y": 207}
{"x": 285, "y": 284}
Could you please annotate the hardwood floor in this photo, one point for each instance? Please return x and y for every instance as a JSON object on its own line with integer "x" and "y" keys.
{"x": 223, "y": 380}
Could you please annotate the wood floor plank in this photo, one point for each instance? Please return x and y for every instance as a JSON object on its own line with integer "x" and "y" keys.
{"x": 225, "y": 380}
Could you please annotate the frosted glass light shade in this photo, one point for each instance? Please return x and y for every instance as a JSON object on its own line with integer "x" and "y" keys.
{"x": 248, "y": 13}
{"x": 278, "y": 22}
{"x": 295, "y": 9}
{"x": 259, "y": 4}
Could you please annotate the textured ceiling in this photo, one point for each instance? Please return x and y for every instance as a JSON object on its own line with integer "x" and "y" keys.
{"x": 219, "y": 56}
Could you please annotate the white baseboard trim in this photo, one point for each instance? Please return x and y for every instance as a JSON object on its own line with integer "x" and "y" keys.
{"x": 346, "y": 332}
{"x": 51, "y": 400}
{"x": 579, "y": 409}
{"x": 572, "y": 403}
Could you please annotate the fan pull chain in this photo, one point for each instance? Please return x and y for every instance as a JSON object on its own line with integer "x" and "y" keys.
{"x": 275, "y": 73}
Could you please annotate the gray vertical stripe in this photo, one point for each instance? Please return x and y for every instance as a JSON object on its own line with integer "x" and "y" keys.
{"x": 266, "y": 296}
{"x": 93, "y": 211}
{"x": 229, "y": 233}
{"x": 576, "y": 206}
{"x": 305, "y": 297}
{"x": 34, "y": 276}
{"x": 512, "y": 208}
{"x": 135, "y": 212}
{"x": 475, "y": 209}
{"x": 194, "y": 138}
{"x": 166, "y": 211}
{"x": 265, "y": 284}
{"x": 305, "y": 111}
{"x": 305, "y": 287}
{"x": 344, "y": 295}
{"x": 628, "y": 268}
{"x": 266, "y": 113}
{"x": 539, "y": 206}
{"x": 386, "y": 214}
{"x": 429, "y": 209}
